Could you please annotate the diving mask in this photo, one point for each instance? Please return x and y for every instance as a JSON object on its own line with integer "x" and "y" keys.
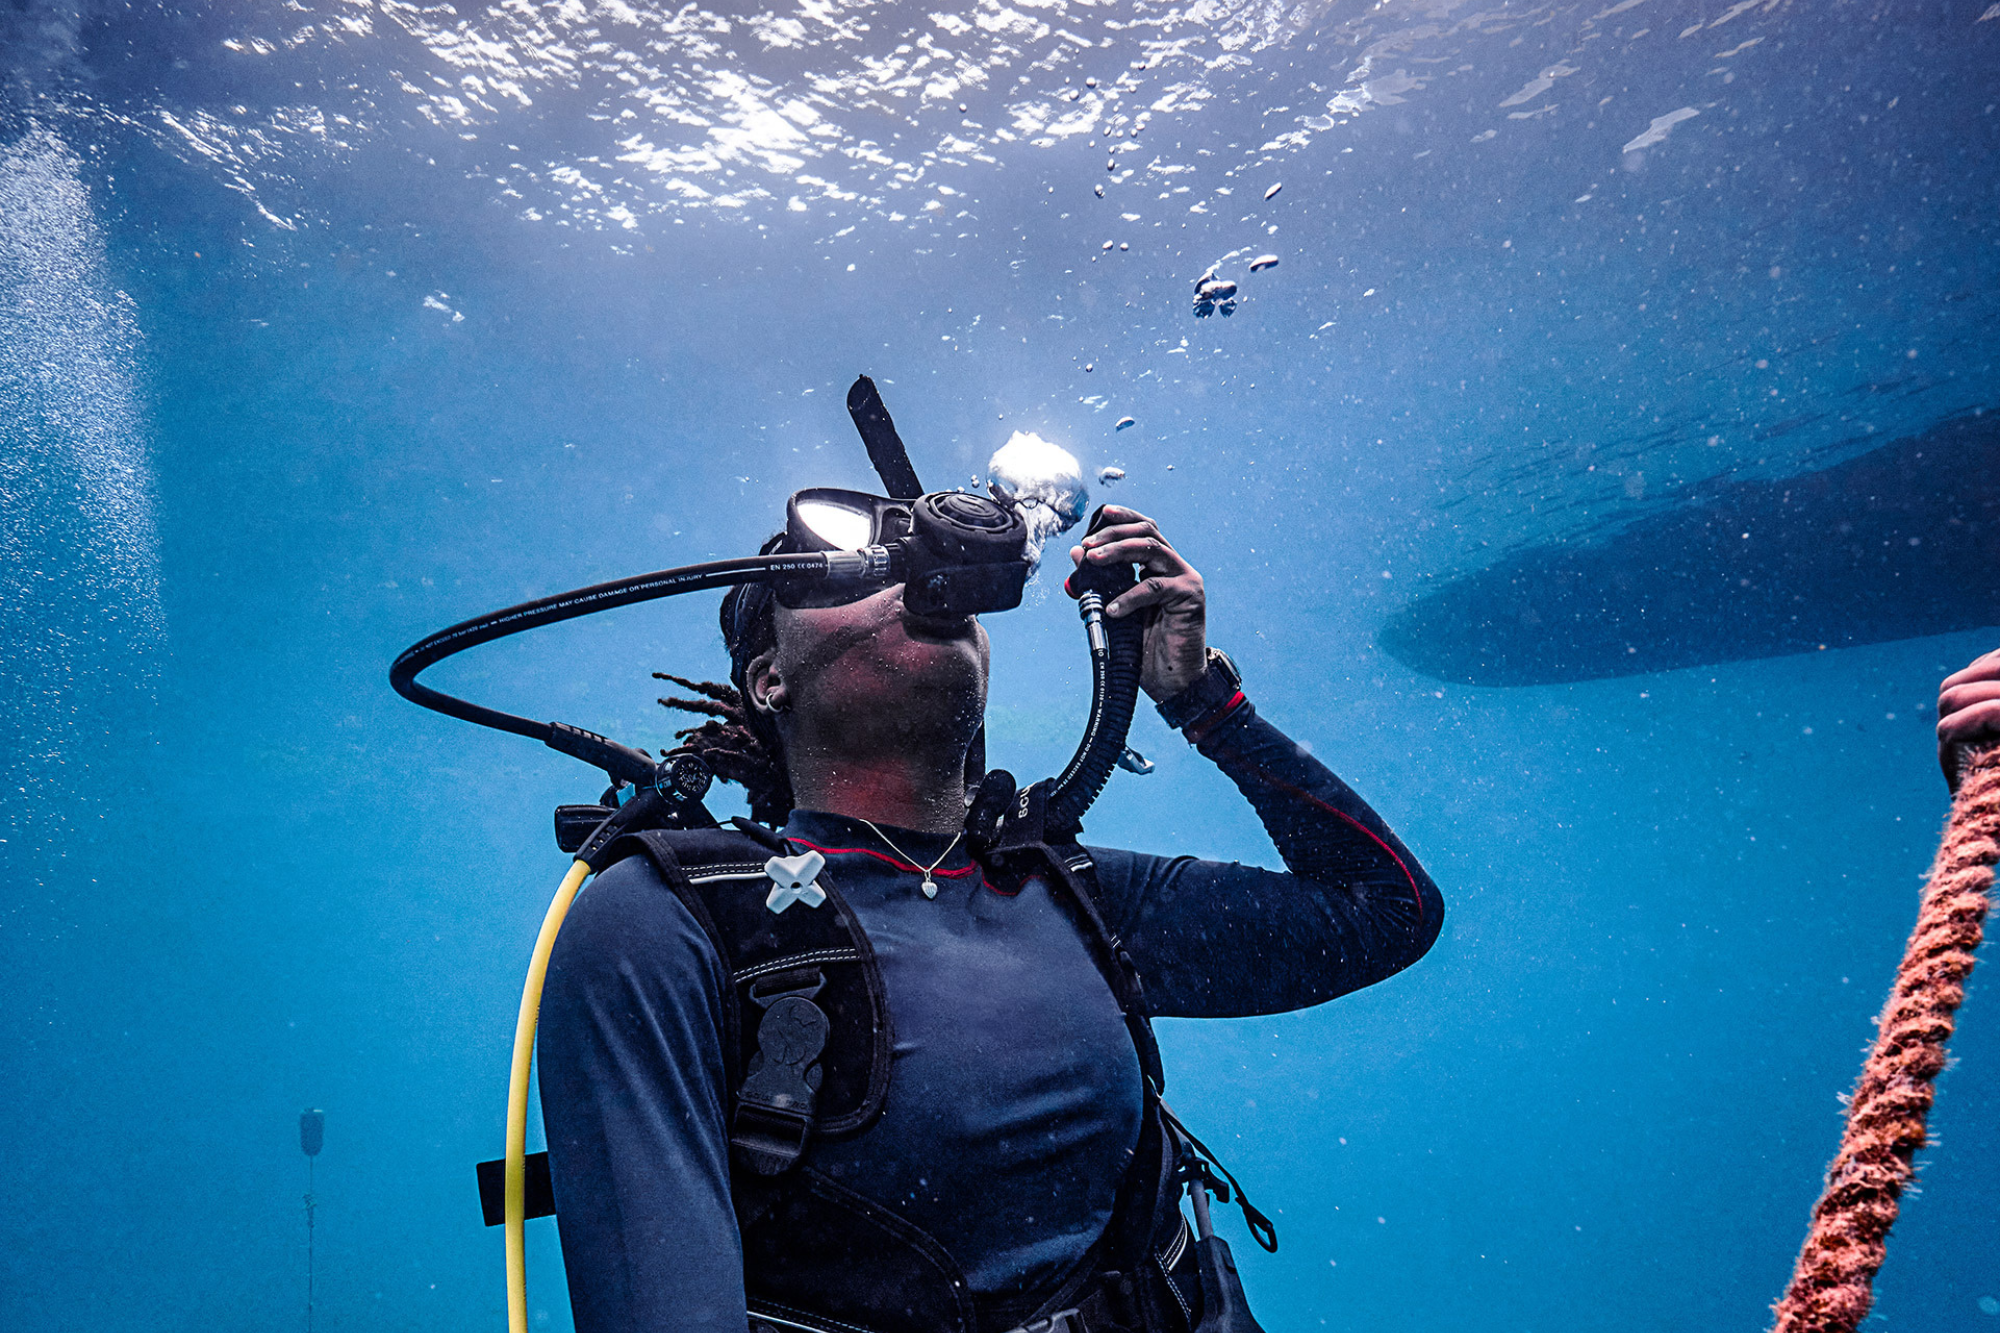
{"x": 956, "y": 553}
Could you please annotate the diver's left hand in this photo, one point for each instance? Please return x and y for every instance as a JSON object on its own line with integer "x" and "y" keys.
{"x": 1169, "y": 592}
{"x": 1968, "y": 711}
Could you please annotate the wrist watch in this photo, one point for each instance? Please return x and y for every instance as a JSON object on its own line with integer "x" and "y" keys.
{"x": 1219, "y": 690}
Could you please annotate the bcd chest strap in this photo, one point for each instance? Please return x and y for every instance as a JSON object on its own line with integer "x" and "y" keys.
{"x": 806, "y": 1034}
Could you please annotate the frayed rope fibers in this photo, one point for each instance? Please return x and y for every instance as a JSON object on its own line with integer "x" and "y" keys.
{"x": 1832, "y": 1286}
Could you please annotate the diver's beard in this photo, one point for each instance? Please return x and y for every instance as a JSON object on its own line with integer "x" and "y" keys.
{"x": 921, "y": 730}
{"x": 895, "y": 687}
{"x": 933, "y": 710}
{"x": 940, "y": 715}
{"x": 946, "y": 629}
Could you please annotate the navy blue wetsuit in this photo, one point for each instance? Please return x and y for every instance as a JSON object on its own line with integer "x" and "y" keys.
{"x": 1014, "y": 1098}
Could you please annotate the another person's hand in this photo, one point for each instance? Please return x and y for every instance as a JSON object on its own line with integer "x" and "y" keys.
{"x": 1170, "y": 591}
{"x": 1968, "y": 711}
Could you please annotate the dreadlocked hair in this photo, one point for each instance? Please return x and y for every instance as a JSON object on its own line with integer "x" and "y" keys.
{"x": 730, "y": 744}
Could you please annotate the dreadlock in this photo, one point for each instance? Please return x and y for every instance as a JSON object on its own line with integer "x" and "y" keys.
{"x": 730, "y": 746}
{"x": 738, "y": 743}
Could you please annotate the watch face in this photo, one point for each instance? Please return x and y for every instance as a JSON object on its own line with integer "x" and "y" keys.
{"x": 1219, "y": 658}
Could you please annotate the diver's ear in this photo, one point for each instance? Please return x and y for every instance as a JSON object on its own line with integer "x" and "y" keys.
{"x": 767, "y": 689}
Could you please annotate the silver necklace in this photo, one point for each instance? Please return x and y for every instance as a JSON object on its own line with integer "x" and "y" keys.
{"x": 929, "y": 886}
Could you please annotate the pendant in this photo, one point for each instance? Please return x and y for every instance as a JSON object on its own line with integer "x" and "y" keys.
{"x": 929, "y": 886}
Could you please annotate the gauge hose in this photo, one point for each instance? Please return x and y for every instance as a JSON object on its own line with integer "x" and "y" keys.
{"x": 1832, "y": 1287}
{"x": 517, "y": 1096}
{"x": 647, "y": 805}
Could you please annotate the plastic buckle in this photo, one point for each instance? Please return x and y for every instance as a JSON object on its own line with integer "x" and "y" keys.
{"x": 774, "y": 1107}
{"x": 772, "y": 1137}
{"x": 1062, "y": 1321}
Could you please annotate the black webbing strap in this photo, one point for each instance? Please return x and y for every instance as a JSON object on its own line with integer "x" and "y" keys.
{"x": 1079, "y": 876}
{"x": 1020, "y": 850}
{"x": 1262, "y": 1230}
{"x": 539, "y": 1195}
{"x": 817, "y": 1059}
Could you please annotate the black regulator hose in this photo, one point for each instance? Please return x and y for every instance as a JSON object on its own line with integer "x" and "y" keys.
{"x": 620, "y": 761}
{"x": 1115, "y": 651}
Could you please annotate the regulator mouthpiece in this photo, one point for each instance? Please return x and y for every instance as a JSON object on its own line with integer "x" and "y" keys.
{"x": 968, "y": 555}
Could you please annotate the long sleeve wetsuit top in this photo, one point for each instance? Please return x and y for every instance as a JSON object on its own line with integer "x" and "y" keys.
{"x": 1014, "y": 1098}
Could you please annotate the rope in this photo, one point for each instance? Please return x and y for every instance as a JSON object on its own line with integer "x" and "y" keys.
{"x": 1832, "y": 1287}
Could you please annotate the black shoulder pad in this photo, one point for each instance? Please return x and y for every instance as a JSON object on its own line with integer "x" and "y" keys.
{"x": 719, "y": 874}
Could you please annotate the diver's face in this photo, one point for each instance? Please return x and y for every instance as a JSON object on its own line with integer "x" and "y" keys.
{"x": 872, "y": 664}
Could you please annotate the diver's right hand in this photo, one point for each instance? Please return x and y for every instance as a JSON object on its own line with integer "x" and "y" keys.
{"x": 1968, "y": 711}
{"x": 1171, "y": 596}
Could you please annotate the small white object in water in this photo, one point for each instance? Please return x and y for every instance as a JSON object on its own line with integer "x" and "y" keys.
{"x": 1090, "y": 82}
{"x": 1124, "y": 245}
{"x": 962, "y": 108}
{"x": 1099, "y": 190}
{"x": 1044, "y": 482}
{"x": 1123, "y": 422}
{"x": 1109, "y": 244}
{"x": 1107, "y": 475}
{"x": 1272, "y": 193}
{"x": 1262, "y": 262}
{"x": 1215, "y": 289}
{"x": 1089, "y": 366}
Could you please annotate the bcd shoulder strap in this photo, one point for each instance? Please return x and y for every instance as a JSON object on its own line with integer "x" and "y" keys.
{"x": 806, "y": 1035}
{"x": 815, "y": 1060}
{"x": 1023, "y": 849}
{"x": 1146, "y": 1238}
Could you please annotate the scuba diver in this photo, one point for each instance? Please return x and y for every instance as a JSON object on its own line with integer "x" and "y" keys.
{"x": 879, "y": 1059}
{"x": 1012, "y": 1118}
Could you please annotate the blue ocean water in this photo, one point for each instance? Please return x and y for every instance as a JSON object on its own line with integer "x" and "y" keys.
{"x": 330, "y": 323}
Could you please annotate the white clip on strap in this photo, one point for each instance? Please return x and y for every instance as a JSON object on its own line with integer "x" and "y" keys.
{"x": 795, "y": 879}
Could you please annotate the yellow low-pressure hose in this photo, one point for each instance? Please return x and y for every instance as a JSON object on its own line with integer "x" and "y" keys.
{"x": 517, "y": 1098}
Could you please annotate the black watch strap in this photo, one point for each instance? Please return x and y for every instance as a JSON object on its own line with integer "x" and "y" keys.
{"x": 1218, "y": 691}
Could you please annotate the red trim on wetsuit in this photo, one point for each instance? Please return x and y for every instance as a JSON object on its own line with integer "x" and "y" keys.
{"x": 1416, "y": 893}
{"x": 895, "y": 861}
{"x": 898, "y": 862}
{"x": 1212, "y": 719}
